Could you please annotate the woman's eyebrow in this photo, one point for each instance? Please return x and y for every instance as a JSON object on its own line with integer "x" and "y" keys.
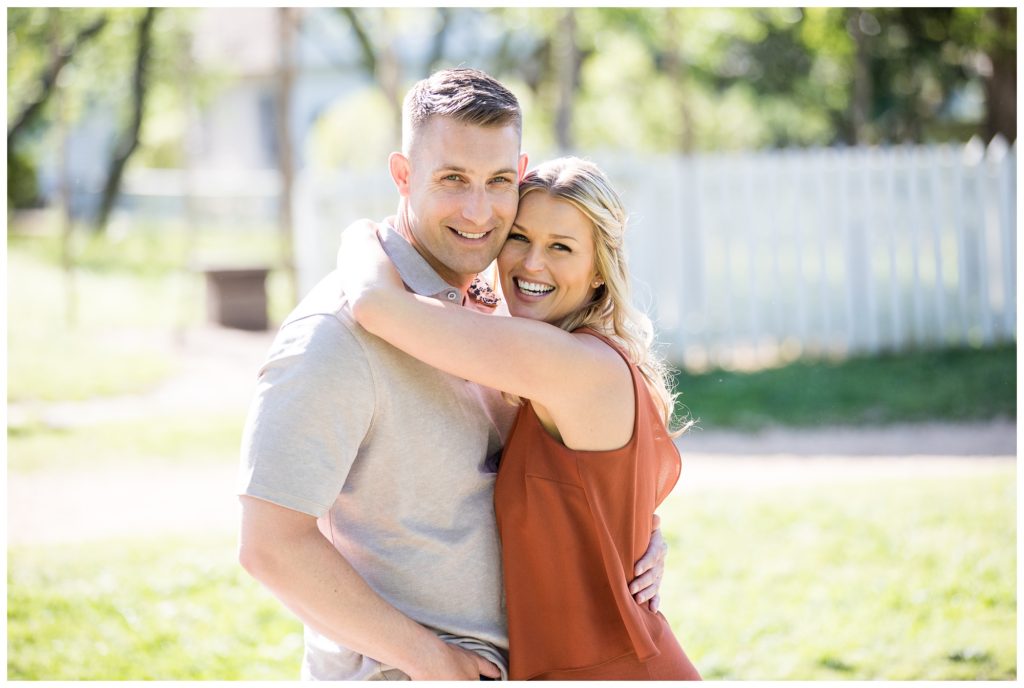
{"x": 560, "y": 237}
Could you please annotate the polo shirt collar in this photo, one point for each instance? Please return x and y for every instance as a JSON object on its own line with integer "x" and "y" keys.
{"x": 414, "y": 269}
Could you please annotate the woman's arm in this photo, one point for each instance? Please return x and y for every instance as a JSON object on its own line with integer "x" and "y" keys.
{"x": 525, "y": 357}
{"x": 528, "y": 358}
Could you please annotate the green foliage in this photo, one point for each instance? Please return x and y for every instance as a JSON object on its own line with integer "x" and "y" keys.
{"x": 954, "y": 385}
{"x": 650, "y": 79}
{"x": 898, "y": 580}
{"x": 144, "y": 610}
{"x": 657, "y": 79}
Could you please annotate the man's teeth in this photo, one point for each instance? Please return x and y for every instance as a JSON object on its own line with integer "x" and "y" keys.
{"x": 533, "y": 287}
{"x": 470, "y": 236}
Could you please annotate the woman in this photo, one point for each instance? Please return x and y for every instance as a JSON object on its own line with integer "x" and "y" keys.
{"x": 589, "y": 457}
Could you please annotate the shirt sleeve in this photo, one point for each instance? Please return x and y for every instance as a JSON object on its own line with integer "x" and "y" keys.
{"x": 312, "y": 411}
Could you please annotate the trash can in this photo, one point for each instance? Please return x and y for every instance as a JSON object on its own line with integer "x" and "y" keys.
{"x": 237, "y": 297}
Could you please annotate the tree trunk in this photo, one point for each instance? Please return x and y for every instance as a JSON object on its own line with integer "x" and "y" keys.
{"x": 1001, "y": 87}
{"x": 437, "y": 47}
{"x": 677, "y": 74}
{"x": 186, "y": 81}
{"x": 64, "y": 184}
{"x": 381, "y": 65}
{"x": 130, "y": 141}
{"x": 285, "y": 154}
{"x": 567, "y": 66}
{"x": 860, "y": 105}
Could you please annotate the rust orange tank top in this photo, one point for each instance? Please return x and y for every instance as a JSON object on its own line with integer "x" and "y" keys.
{"x": 572, "y": 525}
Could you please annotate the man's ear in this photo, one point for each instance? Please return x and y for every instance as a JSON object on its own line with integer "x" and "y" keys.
{"x": 522, "y": 165}
{"x": 400, "y": 169}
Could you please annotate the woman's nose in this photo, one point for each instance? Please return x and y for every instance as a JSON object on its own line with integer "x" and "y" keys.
{"x": 534, "y": 258}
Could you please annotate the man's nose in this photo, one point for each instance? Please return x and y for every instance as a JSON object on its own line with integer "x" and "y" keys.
{"x": 477, "y": 208}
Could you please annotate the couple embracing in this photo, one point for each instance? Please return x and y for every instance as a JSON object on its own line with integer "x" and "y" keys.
{"x": 441, "y": 491}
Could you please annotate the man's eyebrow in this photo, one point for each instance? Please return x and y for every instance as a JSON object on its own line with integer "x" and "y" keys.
{"x": 463, "y": 170}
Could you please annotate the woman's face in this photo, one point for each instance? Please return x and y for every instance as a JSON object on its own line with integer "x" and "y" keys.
{"x": 547, "y": 263}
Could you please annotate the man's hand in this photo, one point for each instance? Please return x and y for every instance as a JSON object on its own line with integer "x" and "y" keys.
{"x": 455, "y": 663}
{"x": 649, "y": 570}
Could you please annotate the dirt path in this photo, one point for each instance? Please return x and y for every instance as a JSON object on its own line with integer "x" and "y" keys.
{"x": 217, "y": 371}
{"x": 168, "y": 500}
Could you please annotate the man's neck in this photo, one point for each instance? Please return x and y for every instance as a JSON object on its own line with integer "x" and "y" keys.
{"x": 461, "y": 282}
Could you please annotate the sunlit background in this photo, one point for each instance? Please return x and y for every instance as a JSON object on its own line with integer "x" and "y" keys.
{"x": 823, "y": 227}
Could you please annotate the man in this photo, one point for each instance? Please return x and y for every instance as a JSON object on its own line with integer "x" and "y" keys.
{"x": 366, "y": 493}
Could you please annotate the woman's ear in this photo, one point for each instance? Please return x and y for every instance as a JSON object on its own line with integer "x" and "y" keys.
{"x": 400, "y": 169}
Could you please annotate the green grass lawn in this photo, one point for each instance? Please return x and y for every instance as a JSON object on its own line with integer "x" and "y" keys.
{"x": 47, "y": 360}
{"x": 126, "y": 289}
{"x": 179, "y": 439}
{"x": 898, "y": 580}
{"x": 142, "y": 610}
{"x": 956, "y": 385}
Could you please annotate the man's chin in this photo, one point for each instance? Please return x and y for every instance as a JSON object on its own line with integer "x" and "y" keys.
{"x": 471, "y": 264}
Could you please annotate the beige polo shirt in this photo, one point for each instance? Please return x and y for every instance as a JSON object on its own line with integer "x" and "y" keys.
{"x": 391, "y": 456}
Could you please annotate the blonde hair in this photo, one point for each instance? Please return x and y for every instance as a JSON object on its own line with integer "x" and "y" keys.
{"x": 611, "y": 311}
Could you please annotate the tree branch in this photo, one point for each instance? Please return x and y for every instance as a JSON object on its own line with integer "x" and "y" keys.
{"x": 49, "y": 80}
{"x": 130, "y": 141}
{"x": 365, "y": 44}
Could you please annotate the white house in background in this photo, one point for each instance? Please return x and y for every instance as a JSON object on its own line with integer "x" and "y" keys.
{"x": 238, "y": 130}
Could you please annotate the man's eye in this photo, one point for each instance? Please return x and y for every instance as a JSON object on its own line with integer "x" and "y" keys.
{"x": 452, "y": 178}
{"x": 501, "y": 180}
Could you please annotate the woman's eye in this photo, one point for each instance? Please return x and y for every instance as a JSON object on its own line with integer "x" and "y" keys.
{"x": 562, "y": 247}
{"x": 516, "y": 236}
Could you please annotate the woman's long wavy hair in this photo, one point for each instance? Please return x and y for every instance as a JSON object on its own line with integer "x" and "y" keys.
{"x": 611, "y": 311}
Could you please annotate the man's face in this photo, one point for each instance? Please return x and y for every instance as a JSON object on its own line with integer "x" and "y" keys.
{"x": 461, "y": 182}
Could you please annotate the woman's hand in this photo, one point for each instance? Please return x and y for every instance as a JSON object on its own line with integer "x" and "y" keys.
{"x": 649, "y": 570}
{"x": 364, "y": 267}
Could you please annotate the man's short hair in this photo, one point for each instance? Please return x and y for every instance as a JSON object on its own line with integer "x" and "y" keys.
{"x": 465, "y": 95}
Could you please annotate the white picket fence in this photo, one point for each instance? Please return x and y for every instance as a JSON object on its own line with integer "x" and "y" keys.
{"x": 862, "y": 250}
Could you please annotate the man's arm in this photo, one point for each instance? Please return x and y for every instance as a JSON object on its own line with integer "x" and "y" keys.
{"x": 285, "y": 551}
{"x": 650, "y": 569}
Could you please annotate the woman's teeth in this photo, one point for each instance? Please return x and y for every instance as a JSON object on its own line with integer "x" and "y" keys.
{"x": 470, "y": 236}
{"x": 533, "y": 287}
